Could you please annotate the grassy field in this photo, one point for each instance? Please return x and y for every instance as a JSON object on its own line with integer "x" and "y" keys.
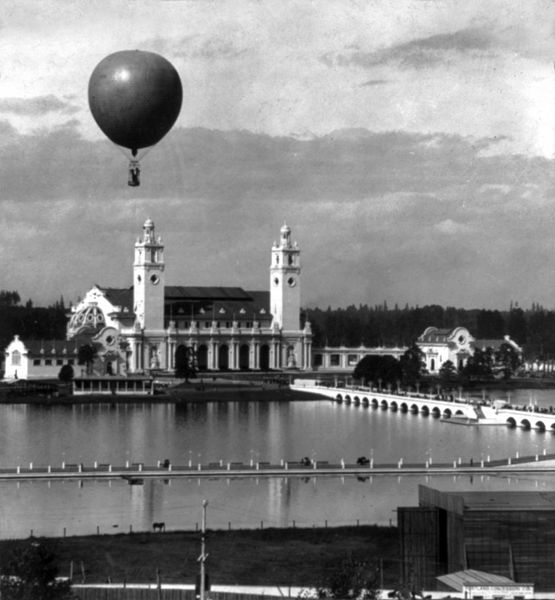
{"x": 286, "y": 557}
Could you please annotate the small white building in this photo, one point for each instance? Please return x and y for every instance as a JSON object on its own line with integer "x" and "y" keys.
{"x": 485, "y": 586}
{"x": 441, "y": 345}
{"x": 456, "y": 345}
{"x": 38, "y": 359}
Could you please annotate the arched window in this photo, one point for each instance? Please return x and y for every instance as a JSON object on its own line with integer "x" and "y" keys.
{"x": 264, "y": 357}
{"x": 16, "y": 358}
{"x": 223, "y": 358}
{"x": 244, "y": 351}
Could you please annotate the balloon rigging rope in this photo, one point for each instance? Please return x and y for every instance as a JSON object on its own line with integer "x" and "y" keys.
{"x": 139, "y": 156}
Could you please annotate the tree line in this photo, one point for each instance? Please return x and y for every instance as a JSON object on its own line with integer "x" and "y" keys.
{"x": 533, "y": 329}
{"x": 386, "y": 371}
{"x": 29, "y": 321}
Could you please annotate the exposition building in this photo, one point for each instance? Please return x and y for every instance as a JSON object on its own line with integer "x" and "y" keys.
{"x": 143, "y": 328}
{"x": 506, "y": 534}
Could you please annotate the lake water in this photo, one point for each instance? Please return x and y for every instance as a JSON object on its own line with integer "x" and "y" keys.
{"x": 238, "y": 431}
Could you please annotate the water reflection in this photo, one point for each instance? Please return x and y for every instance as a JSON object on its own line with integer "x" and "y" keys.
{"x": 238, "y": 432}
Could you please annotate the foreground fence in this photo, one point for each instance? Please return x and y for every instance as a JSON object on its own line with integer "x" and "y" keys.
{"x": 129, "y": 593}
{"x": 171, "y": 593}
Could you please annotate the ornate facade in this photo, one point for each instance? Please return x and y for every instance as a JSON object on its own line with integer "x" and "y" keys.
{"x": 143, "y": 328}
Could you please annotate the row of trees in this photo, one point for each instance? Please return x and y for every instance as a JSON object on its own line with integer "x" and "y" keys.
{"x": 29, "y": 321}
{"x": 410, "y": 369}
{"x": 386, "y": 370}
{"x": 534, "y": 329}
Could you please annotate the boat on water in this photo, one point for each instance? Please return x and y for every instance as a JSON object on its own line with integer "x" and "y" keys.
{"x": 478, "y": 421}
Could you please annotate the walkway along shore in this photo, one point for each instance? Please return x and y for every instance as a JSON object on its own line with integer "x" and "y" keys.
{"x": 135, "y": 473}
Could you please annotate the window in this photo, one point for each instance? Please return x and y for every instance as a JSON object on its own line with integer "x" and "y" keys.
{"x": 59, "y": 362}
{"x": 207, "y": 324}
{"x": 48, "y": 362}
{"x": 36, "y": 362}
{"x": 318, "y": 360}
{"x": 249, "y": 324}
{"x": 16, "y": 358}
{"x": 352, "y": 359}
{"x": 71, "y": 361}
{"x": 334, "y": 360}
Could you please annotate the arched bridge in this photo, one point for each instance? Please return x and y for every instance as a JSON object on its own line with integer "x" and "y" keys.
{"x": 448, "y": 407}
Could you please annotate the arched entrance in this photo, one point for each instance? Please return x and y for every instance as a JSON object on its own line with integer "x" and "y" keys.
{"x": 244, "y": 357}
{"x": 185, "y": 363}
{"x": 223, "y": 358}
{"x": 202, "y": 358}
{"x": 264, "y": 357}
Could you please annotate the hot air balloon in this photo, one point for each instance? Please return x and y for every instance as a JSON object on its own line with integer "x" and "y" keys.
{"x": 135, "y": 98}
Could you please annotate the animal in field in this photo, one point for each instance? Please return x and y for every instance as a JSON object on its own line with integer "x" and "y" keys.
{"x": 159, "y": 526}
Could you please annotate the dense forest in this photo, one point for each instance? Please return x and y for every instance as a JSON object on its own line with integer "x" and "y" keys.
{"x": 29, "y": 321}
{"x": 533, "y": 328}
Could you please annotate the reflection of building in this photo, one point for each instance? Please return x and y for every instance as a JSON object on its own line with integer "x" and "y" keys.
{"x": 36, "y": 359}
{"x": 144, "y": 327}
{"x": 503, "y": 533}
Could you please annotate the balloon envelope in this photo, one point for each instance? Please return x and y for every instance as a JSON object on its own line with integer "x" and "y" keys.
{"x": 135, "y": 97}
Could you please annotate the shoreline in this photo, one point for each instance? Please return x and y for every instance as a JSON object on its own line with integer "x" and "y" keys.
{"x": 210, "y": 393}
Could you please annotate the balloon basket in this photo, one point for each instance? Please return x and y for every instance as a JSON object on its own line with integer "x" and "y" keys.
{"x": 134, "y": 173}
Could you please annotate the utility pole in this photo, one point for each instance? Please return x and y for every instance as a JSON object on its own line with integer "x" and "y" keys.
{"x": 203, "y": 556}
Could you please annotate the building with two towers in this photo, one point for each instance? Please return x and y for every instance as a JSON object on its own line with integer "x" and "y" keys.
{"x": 142, "y": 328}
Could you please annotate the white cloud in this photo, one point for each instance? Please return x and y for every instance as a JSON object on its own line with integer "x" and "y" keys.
{"x": 401, "y": 181}
{"x": 450, "y": 227}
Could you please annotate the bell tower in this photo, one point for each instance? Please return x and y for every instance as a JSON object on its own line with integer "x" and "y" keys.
{"x": 285, "y": 282}
{"x": 148, "y": 279}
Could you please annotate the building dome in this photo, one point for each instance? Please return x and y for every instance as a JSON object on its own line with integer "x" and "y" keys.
{"x": 89, "y": 317}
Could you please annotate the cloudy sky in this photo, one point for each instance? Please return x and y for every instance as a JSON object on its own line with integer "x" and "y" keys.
{"x": 408, "y": 144}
